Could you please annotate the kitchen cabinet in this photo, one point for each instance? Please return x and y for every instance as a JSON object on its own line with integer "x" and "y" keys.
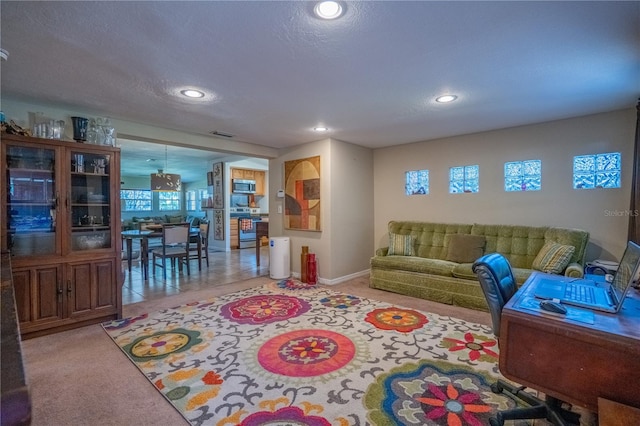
{"x": 60, "y": 220}
{"x": 237, "y": 173}
{"x": 260, "y": 182}
{"x": 242, "y": 174}
{"x": 259, "y": 176}
{"x": 234, "y": 240}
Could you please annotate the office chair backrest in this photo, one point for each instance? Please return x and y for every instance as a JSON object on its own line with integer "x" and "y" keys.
{"x": 498, "y": 284}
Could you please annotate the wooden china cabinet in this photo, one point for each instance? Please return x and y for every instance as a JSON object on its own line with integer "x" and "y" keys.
{"x": 60, "y": 220}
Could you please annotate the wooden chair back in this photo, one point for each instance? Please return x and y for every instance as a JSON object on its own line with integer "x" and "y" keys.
{"x": 175, "y": 233}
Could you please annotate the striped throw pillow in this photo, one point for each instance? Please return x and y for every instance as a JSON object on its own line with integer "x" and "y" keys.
{"x": 553, "y": 258}
{"x": 400, "y": 245}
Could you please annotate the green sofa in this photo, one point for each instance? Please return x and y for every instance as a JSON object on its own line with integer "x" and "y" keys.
{"x": 436, "y": 265}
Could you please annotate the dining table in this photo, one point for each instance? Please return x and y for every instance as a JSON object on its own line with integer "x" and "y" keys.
{"x": 151, "y": 231}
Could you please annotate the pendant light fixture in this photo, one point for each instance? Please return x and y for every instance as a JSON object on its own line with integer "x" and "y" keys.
{"x": 165, "y": 182}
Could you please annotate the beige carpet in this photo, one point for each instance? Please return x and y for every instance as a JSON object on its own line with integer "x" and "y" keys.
{"x": 79, "y": 377}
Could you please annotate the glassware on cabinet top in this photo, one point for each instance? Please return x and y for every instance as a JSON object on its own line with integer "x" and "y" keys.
{"x": 92, "y": 132}
{"x": 79, "y": 128}
{"x": 100, "y": 131}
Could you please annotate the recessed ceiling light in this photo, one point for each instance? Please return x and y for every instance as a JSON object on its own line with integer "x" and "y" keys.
{"x": 328, "y": 9}
{"x": 446, "y": 98}
{"x": 320, "y": 129}
{"x": 192, "y": 93}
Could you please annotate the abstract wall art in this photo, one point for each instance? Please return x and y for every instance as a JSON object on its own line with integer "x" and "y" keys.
{"x": 302, "y": 194}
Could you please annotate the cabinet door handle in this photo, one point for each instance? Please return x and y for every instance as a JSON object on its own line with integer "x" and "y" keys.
{"x": 69, "y": 289}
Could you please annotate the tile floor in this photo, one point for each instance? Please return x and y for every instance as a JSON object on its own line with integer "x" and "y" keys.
{"x": 224, "y": 268}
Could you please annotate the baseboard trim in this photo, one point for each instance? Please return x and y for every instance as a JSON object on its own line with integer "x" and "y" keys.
{"x": 337, "y": 280}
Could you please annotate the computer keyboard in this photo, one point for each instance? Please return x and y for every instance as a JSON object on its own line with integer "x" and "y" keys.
{"x": 580, "y": 293}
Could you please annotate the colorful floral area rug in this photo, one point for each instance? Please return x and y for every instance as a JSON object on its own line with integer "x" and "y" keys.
{"x": 291, "y": 354}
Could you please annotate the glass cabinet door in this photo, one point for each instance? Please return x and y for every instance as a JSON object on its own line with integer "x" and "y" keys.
{"x": 90, "y": 200}
{"x": 32, "y": 197}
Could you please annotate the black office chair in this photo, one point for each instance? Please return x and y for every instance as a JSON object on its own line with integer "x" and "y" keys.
{"x": 498, "y": 285}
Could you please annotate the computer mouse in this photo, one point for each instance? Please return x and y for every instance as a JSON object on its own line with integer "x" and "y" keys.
{"x": 552, "y": 306}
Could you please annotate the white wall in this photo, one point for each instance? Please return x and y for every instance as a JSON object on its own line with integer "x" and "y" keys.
{"x": 351, "y": 212}
{"x": 557, "y": 204}
{"x": 342, "y": 247}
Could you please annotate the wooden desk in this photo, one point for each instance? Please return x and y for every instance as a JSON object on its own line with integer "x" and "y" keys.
{"x": 574, "y": 361}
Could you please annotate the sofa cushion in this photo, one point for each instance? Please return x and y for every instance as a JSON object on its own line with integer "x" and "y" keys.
{"x": 464, "y": 270}
{"x": 521, "y": 275}
{"x": 553, "y": 258}
{"x": 400, "y": 245}
{"x": 429, "y": 238}
{"x": 195, "y": 221}
{"x": 414, "y": 264}
{"x": 174, "y": 219}
{"x": 464, "y": 248}
{"x": 519, "y": 244}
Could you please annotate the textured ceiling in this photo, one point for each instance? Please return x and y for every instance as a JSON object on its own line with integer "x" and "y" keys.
{"x": 273, "y": 71}
{"x": 140, "y": 159}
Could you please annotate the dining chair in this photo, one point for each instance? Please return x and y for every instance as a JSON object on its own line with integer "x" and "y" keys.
{"x": 175, "y": 247}
{"x": 199, "y": 244}
{"x": 204, "y": 234}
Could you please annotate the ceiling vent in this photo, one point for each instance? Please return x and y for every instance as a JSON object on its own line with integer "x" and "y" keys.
{"x": 222, "y": 134}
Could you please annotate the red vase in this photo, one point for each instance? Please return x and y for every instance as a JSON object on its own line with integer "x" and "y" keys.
{"x": 312, "y": 269}
{"x": 303, "y": 263}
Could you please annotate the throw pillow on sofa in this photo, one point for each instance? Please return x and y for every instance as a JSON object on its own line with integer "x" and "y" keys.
{"x": 553, "y": 258}
{"x": 464, "y": 248}
{"x": 400, "y": 245}
{"x": 174, "y": 219}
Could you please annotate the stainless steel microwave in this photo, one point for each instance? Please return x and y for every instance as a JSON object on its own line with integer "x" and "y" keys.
{"x": 243, "y": 186}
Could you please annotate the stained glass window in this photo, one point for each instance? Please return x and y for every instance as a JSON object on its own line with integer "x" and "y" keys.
{"x": 523, "y": 175}
{"x": 596, "y": 171}
{"x": 417, "y": 182}
{"x": 464, "y": 179}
